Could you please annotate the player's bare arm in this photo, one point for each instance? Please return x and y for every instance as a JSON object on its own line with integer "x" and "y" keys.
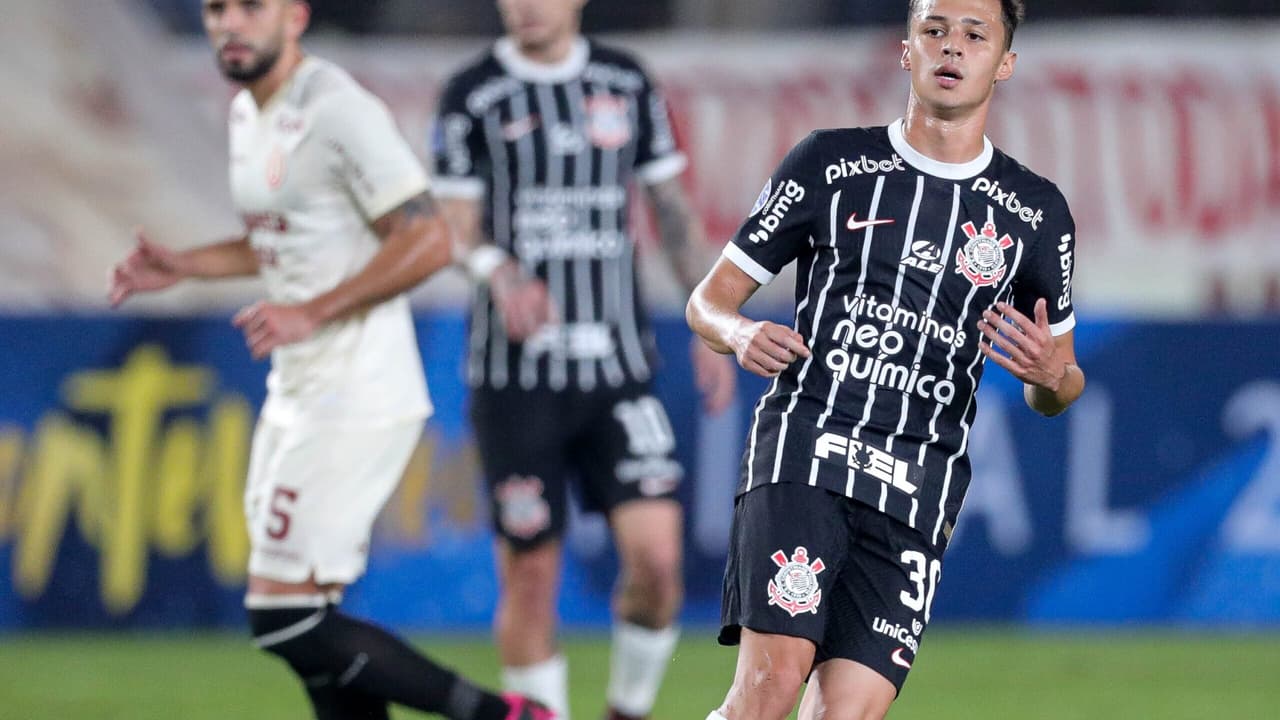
{"x": 415, "y": 244}
{"x": 150, "y": 267}
{"x": 1044, "y": 363}
{"x": 682, "y": 239}
{"x": 523, "y": 300}
{"x": 762, "y": 347}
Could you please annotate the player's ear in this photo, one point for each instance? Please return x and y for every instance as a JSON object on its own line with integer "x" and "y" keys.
{"x": 906, "y": 55}
{"x": 299, "y": 17}
{"x": 1005, "y": 71}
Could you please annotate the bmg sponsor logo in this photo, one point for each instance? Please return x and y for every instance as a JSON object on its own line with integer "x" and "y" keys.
{"x": 863, "y": 166}
{"x": 1066, "y": 263}
{"x": 789, "y": 193}
{"x": 1009, "y": 201}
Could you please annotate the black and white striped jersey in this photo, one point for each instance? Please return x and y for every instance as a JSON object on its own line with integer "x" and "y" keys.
{"x": 897, "y": 257}
{"x": 551, "y": 150}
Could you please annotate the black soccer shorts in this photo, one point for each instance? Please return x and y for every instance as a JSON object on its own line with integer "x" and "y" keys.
{"x": 809, "y": 563}
{"x": 617, "y": 442}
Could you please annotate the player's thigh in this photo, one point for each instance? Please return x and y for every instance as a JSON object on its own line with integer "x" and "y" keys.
{"x": 787, "y": 546}
{"x": 772, "y": 665}
{"x": 521, "y": 438}
{"x": 321, "y": 490}
{"x": 625, "y": 449}
{"x": 649, "y": 536}
{"x": 881, "y": 605}
{"x": 842, "y": 689}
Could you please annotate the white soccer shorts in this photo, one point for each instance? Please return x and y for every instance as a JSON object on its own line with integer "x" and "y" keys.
{"x": 313, "y": 494}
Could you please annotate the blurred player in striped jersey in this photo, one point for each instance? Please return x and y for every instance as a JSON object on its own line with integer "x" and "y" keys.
{"x": 922, "y": 251}
{"x": 339, "y": 223}
{"x": 536, "y": 144}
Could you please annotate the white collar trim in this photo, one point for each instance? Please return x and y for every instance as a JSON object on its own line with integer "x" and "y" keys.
{"x": 945, "y": 170}
{"x": 522, "y": 68}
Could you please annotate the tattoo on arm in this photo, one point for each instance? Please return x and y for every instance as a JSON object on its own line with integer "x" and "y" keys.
{"x": 680, "y": 230}
{"x": 422, "y": 206}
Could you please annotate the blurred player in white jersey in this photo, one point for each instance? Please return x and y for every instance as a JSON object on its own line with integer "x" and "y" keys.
{"x": 339, "y": 223}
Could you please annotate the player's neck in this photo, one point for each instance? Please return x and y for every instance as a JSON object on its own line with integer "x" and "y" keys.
{"x": 265, "y": 87}
{"x": 945, "y": 139}
{"x": 552, "y": 52}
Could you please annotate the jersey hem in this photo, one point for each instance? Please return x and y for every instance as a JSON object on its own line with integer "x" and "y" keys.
{"x": 458, "y": 188}
{"x": 1063, "y": 327}
{"x": 747, "y": 265}
{"x": 662, "y": 169}
{"x": 391, "y": 199}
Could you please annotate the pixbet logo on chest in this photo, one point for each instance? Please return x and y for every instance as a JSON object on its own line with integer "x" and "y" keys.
{"x": 1009, "y": 201}
{"x": 862, "y": 166}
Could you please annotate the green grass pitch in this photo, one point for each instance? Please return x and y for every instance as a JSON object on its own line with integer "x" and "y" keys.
{"x": 962, "y": 673}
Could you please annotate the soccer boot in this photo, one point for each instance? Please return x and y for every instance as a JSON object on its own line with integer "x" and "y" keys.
{"x": 522, "y": 708}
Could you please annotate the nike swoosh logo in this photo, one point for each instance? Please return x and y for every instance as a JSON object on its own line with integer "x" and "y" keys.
{"x": 856, "y": 224}
{"x": 898, "y": 660}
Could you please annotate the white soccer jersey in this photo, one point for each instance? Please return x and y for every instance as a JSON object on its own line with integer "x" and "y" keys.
{"x": 310, "y": 172}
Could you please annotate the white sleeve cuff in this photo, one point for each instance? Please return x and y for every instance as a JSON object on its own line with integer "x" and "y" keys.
{"x": 744, "y": 262}
{"x": 664, "y": 168}
{"x": 1064, "y": 326}
{"x": 380, "y": 205}
{"x": 458, "y": 188}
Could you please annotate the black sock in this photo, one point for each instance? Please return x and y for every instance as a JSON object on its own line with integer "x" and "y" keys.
{"x": 366, "y": 659}
{"x": 331, "y": 703}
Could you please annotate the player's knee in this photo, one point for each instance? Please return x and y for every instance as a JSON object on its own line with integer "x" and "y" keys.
{"x": 653, "y": 579}
{"x": 295, "y": 635}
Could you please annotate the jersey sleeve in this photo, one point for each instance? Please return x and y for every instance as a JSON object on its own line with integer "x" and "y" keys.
{"x": 458, "y": 153}
{"x": 371, "y": 158}
{"x": 658, "y": 157}
{"x": 781, "y": 221}
{"x": 1050, "y": 271}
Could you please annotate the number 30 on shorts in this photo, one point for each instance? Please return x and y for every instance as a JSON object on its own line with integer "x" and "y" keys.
{"x": 925, "y": 582}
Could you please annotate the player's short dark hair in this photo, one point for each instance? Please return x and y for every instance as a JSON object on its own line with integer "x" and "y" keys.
{"x": 1012, "y": 13}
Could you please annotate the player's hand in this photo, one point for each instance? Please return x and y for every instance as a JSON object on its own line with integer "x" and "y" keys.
{"x": 1029, "y": 351}
{"x": 148, "y": 267}
{"x": 767, "y": 348}
{"x": 715, "y": 376}
{"x": 523, "y": 302}
{"x": 267, "y": 326}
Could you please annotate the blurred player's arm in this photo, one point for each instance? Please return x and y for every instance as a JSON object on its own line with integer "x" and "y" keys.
{"x": 683, "y": 240}
{"x": 523, "y": 301}
{"x": 1046, "y": 364}
{"x": 415, "y": 244}
{"x": 714, "y": 313}
{"x": 150, "y": 267}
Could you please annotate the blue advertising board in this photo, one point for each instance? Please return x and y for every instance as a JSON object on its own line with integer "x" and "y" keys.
{"x": 123, "y": 444}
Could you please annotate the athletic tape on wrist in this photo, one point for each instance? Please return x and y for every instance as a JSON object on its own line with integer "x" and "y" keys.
{"x": 482, "y": 261}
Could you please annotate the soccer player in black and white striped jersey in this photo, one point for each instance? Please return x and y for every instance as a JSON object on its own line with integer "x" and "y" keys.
{"x": 922, "y": 251}
{"x": 535, "y": 146}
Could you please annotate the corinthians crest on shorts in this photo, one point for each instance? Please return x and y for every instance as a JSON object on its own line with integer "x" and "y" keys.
{"x": 982, "y": 258}
{"x": 795, "y": 586}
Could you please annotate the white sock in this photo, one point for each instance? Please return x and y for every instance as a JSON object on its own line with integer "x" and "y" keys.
{"x": 547, "y": 682}
{"x": 638, "y": 661}
{"x": 715, "y": 715}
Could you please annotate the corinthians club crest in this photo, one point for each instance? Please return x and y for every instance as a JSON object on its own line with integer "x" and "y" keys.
{"x": 982, "y": 258}
{"x": 795, "y": 587}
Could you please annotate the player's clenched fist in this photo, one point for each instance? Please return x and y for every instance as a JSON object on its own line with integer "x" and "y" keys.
{"x": 267, "y": 326}
{"x": 766, "y": 348}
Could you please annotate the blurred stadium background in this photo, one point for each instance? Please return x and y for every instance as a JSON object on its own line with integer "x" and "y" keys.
{"x": 1120, "y": 562}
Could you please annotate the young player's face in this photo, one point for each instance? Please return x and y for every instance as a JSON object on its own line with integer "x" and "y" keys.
{"x": 955, "y": 53}
{"x": 249, "y": 35}
{"x": 539, "y": 23}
